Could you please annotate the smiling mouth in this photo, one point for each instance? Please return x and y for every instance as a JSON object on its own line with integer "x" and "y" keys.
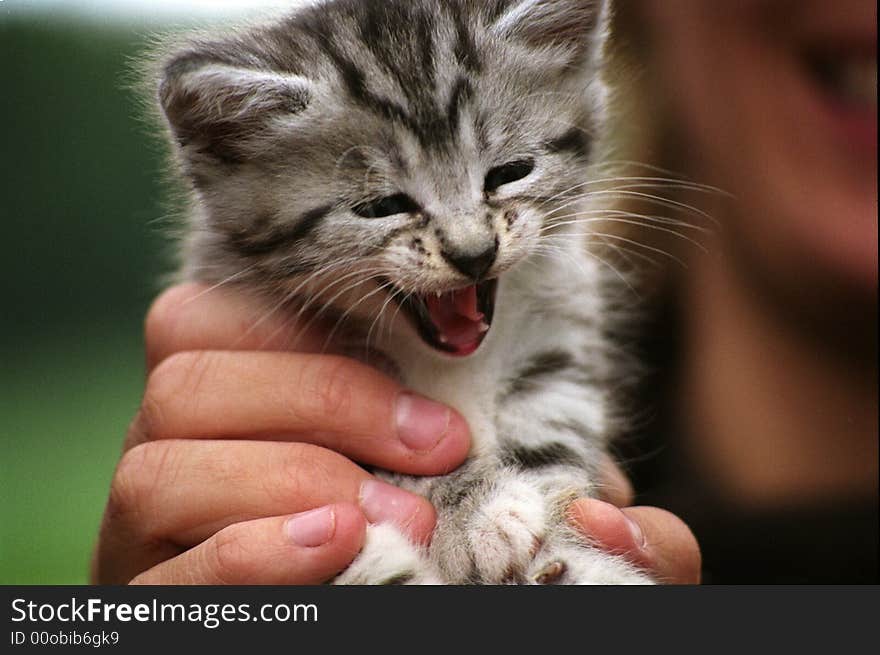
{"x": 453, "y": 322}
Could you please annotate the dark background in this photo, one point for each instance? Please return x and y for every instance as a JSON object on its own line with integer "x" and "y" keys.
{"x": 83, "y": 222}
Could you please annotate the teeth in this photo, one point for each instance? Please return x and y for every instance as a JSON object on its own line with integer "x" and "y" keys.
{"x": 442, "y": 338}
{"x": 483, "y": 327}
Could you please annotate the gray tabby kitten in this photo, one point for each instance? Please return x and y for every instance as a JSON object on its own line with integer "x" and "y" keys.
{"x": 408, "y": 167}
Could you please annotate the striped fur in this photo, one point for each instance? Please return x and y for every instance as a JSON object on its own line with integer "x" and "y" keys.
{"x": 478, "y": 118}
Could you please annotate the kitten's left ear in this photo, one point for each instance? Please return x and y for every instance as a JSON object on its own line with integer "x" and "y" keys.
{"x": 579, "y": 26}
{"x": 215, "y": 107}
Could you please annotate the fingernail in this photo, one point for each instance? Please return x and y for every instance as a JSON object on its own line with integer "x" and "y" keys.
{"x": 636, "y": 531}
{"x": 421, "y": 423}
{"x": 385, "y": 503}
{"x": 312, "y": 528}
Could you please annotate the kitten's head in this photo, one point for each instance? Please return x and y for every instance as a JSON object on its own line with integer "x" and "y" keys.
{"x": 413, "y": 146}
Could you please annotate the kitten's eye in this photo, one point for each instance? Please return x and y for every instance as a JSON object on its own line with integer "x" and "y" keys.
{"x": 399, "y": 203}
{"x": 510, "y": 172}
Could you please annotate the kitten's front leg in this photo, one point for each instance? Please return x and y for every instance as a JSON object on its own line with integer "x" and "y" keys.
{"x": 491, "y": 523}
{"x": 504, "y": 520}
{"x": 389, "y": 558}
{"x": 520, "y": 534}
{"x": 566, "y": 559}
{"x": 506, "y": 531}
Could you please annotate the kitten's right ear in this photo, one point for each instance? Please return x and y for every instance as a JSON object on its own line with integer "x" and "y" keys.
{"x": 580, "y": 26}
{"x": 215, "y": 107}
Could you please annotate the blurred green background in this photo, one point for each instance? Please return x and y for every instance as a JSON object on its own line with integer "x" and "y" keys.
{"x": 81, "y": 210}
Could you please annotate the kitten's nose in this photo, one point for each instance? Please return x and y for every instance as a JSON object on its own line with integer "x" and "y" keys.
{"x": 474, "y": 266}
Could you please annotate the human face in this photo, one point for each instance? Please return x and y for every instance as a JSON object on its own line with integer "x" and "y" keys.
{"x": 778, "y": 103}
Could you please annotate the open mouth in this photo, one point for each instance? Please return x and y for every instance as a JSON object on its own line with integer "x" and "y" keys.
{"x": 454, "y": 322}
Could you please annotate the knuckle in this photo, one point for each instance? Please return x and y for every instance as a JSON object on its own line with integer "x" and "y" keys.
{"x": 151, "y": 577}
{"x": 140, "y": 579}
{"x": 165, "y": 314}
{"x": 139, "y": 473}
{"x": 329, "y": 386}
{"x": 180, "y": 376}
{"x": 146, "y": 423}
{"x": 231, "y": 558}
{"x": 306, "y": 473}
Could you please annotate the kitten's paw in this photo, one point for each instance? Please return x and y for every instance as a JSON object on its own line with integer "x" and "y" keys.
{"x": 506, "y": 533}
{"x": 550, "y": 573}
{"x": 388, "y": 558}
{"x": 575, "y": 564}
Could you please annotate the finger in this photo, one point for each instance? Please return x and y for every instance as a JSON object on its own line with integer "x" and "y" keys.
{"x": 198, "y": 317}
{"x": 615, "y": 487}
{"x": 168, "y": 496}
{"x": 329, "y": 401}
{"x": 182, "y": 492}
{"x": 651, "y": 538}
{"x": 307, "y": 548}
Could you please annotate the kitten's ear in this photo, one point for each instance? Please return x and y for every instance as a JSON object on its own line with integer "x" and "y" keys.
{"x": 577, "y": 25}
{"x": 215, "y": 107}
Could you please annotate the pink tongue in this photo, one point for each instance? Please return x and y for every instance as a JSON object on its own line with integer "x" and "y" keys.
{"x": 465, "y": 302}
{"x": 458, "y": 321}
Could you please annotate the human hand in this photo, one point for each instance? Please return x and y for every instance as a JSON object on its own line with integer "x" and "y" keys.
{"x": 651, "y": 538}
{"x": 238, "y": 466}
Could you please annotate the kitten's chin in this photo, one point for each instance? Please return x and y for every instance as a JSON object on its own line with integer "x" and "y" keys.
{"x": 453, "y": 322}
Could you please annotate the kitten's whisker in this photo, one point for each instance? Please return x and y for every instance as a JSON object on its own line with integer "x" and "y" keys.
{"x": 547, "y": 250}
{"x": 363, "y": 275}
{"x": 600, "y": 215}
{"x": 654, "y": 199}
{"x": 623, "y": 212}
{"x": 591, "y": 234}
{"x": 612, "y": 164}
{"x": 617, "y": 237}
{"x": 613, "y": 269}
{"x": 342, "y": 318}
{"x": 625, "y": 252}
{"x": 588, "y": 201}
{"x": 219, "y": 284}
{"x": 315, "y": 278}
{"x": 633, "y": 182}
{"x": 647, "y": 226}
{"x": 400, "y": 304}
{"x": 380, "y": 313}
{"x": 284, "y": 301}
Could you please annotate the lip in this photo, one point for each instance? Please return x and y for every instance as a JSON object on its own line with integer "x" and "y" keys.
{"x": 415, "y": 306}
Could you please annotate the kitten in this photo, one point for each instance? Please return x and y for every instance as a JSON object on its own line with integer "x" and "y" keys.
{"x": 414, "y": 169}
